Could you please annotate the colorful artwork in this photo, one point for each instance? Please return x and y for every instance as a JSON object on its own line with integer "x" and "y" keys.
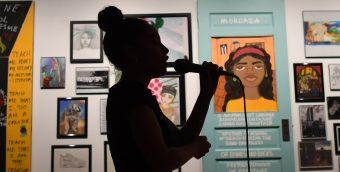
{"x": 252, "y": 60}
{"x": 308, "y": 82}
{"x": 52, "y": 72}
{"x": 322, "y": 32}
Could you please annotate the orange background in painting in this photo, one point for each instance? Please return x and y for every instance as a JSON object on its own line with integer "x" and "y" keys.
{"x": 220, "y": 59}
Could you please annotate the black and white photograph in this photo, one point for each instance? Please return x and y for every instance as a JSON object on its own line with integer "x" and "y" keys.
{"x": 315, "y": 155}
{"x": 333, "y": 107}
{"x": 312, "y": 121}
{"x": 92, "y": 80}
{"x": 334, "y": 77}
{"x": 86, "y": 39}
{"x": 69, "y": 158}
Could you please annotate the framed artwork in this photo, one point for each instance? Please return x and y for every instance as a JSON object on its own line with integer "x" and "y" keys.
{"x": 170, "y": 93}
{"x": 175, "y": 32}
{"x": 336, "y": 127}
{"x": 315, "y": 155}
{"x": 66, "y": 158}
{"x": 52, "y": 74}
{"x": 321, "y": 34}
{"x": 102, "y": 106}
{"x": 334, "y": 77}
{"x": 228, "y": 95}
{"x": 86, "y": 46}
{"x": 308, "y": 80}
{"x": 312, "y": 122}
{"x": 108, "y": 161}
{"x": 333, "y": 107}
{"x": 92, "y": 80}
{"x": 72, "y": 117}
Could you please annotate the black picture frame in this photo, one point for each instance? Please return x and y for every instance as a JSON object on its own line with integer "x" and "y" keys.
{"x": 175, "y": 32}
{"x": 313, "y": 122}
{"x": 319, "y": 38}
{"x": 336, "y": 129}
{"x": 315, "y": 155}
{"x": 72, "y": 117}
{"x": 67, "y": 157}
{"x": 308, "y": 82}
{"x": 86, "y": 42}
{"x": 333, "y": 107}
{"x": 108, "y": 161}
{"x": 92, "y": 80}
{"x": 171, "y": 84}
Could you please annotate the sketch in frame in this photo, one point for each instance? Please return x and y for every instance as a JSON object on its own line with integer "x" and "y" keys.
{"x": 86, "y": 46}
{"x": 169, "y": 91}
{"x": 92, "y": 80}
{"x": 102, "y": 106}
{"x": 315, "y": 155}
{"x": 308, "y": 80}
{"x": 72, "y": 117}
{"x": 52, "y": 72}
{"x": 333, "y": 107}
{"x": 312, "y": 121}
{"x": 66, "y": 158}
{"x": 336, "y": 127}
{"x": 321, "y": 34}
{"x": 175, "y": 33}
{"x": 334, "y": 77}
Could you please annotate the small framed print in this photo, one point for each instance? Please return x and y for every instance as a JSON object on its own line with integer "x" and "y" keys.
{"x": 86, "y": 46}
{"x": 308, "y": 80}
{"x": 92, "y": 80}
{"x": 333, "y": 107}
{"x": 102, "y": 106}
{"x": 72, "y": 117}
{"x": 108, "y": 161}
{"x": 52, "y": 73}
{"x": 336, "y": 127}
{"x": 175, "y": 32}
{"x": 312, "y": 122}
{"x": 321, "y": 34}
{"x": 66, "y": 158}
{"x": 315, "y": 155}
{"x": 334, "y": 77}
{"x": 170, "y": 94}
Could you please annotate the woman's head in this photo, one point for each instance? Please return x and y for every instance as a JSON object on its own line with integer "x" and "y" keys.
{"x": 128, "y": 40}
{"x": 252, "y": 65}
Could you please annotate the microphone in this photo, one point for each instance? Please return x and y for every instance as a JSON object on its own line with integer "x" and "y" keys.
{"x": 184, "y": 66}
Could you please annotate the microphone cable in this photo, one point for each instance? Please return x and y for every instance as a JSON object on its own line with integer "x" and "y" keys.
{"x": 246, "y": 121}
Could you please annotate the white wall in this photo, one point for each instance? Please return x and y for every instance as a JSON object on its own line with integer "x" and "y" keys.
{"x": 52, "y": 38}
{"x": 296, "y": 54}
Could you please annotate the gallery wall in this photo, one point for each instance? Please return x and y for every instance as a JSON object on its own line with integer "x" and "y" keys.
{"x": 52, "y": 39}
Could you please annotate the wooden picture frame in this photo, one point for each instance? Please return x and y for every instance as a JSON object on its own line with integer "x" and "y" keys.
{"x": 175, "y": 32}
{"x": 92, "y": 80}
{"x": 67, "y": 158}
{"x": 321, "y": 36}
{"x": 170, "y": 88}
{"x": 86, "y": 42}
{"x": 72, "y": 117}
{"x": 52, "y": 72}
{"x": 308, "y": 80}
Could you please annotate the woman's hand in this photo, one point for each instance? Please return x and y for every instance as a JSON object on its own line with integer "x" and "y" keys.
{"x": 202, "y": 146}
{"x": 209, "y": 78}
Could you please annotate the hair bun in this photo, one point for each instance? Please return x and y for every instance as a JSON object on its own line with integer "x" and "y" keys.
{"x": 109, "y": 18}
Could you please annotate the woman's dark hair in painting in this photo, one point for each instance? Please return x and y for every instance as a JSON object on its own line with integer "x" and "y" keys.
{"x": 233, "y": 85}
{"x": 119, "y": 32}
